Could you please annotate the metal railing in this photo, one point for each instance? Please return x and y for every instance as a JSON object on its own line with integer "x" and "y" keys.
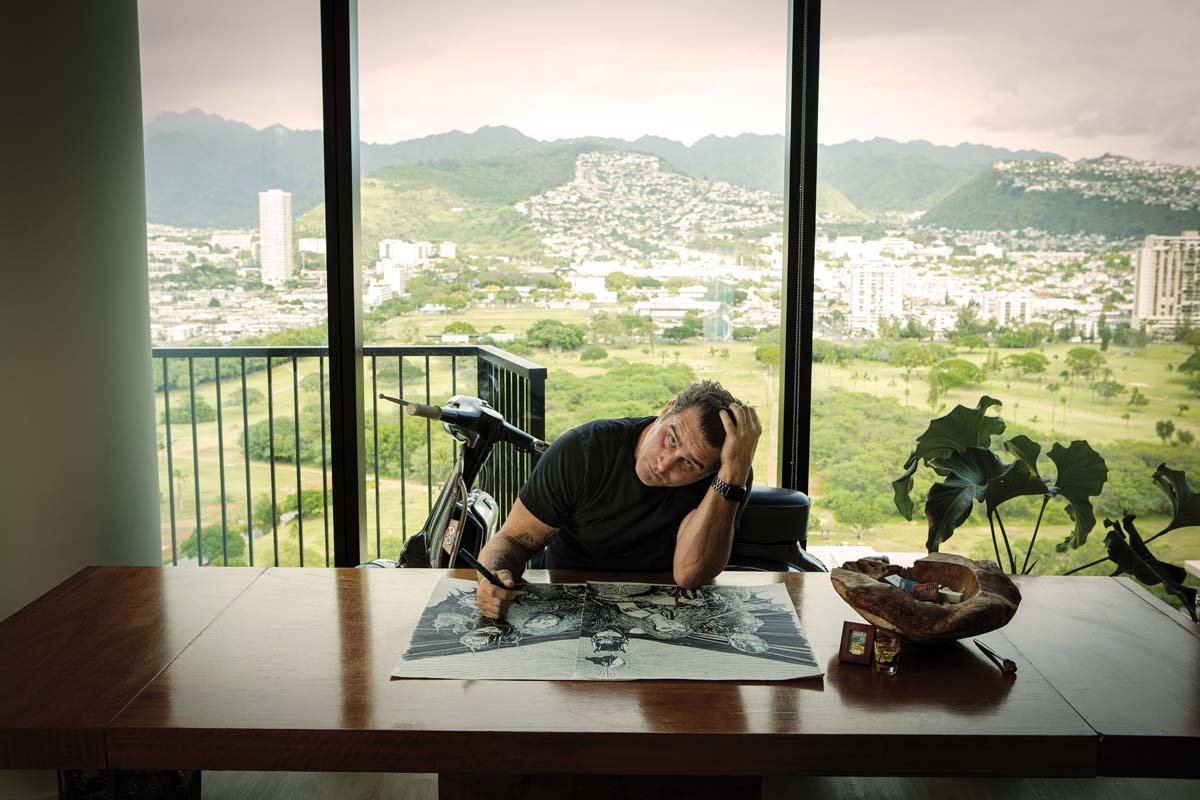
{"x": 242, "y": 470}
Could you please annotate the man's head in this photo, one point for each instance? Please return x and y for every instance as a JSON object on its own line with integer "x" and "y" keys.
{"x": 683, "y": 445}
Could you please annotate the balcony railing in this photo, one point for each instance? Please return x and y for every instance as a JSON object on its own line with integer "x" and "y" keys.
{"x": 244, "y": 445}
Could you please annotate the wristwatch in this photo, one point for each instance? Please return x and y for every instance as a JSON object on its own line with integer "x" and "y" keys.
{"x": 728, "y": 490}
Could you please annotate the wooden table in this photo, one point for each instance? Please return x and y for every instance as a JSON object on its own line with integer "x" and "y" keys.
{"x": 289, "y": 669}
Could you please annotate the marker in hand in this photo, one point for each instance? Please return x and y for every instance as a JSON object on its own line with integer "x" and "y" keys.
{"x": 474, "y": 564}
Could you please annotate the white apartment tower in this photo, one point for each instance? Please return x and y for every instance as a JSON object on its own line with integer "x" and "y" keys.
{"x": 275, "y": 234}
{"x": 874, "y": 295}
{"x": 1166, "y": 287}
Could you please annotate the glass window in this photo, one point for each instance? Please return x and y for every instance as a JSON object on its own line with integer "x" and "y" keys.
{"x": 1007, "y": 206}
{"x": 234, "y": 187}
{"x": 596, "y": 187}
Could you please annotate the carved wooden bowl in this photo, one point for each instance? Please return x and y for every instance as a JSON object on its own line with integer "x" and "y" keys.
{"x": 990, "y": 598}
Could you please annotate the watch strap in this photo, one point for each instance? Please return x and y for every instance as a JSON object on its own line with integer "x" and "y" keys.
{"x": 728, "y": 490}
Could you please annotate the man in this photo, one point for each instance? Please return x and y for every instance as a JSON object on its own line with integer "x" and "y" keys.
{"x": 645, "y": 494}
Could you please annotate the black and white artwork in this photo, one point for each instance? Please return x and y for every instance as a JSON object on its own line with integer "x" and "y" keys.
{"x": 633, "y": 631}
{"x": 612, "y": 631}
{"x": 535, "y": 641}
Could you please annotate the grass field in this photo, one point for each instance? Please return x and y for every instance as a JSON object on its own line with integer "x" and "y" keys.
{"x": 1074, "y": 413}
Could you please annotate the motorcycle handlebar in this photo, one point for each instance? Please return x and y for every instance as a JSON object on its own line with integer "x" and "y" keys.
{"x": 520, "y": 439}
{"x": 513, "y": 435}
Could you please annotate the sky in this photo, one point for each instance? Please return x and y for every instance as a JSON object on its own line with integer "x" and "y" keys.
{"x": 1076, "y": 77}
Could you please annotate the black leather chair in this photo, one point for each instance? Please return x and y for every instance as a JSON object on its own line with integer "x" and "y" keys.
{"x": 773, "y": 533}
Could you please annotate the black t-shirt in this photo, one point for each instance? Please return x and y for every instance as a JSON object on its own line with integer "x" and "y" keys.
{"x": 585, "y": 485}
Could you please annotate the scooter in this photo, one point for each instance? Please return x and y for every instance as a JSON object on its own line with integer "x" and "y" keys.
{"x": 464, "y": 516}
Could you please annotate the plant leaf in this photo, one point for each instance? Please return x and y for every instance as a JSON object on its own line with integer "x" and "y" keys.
{"x": 1025, "y": 450}
{"x": 1135, "y": 559}
{"x": 1082, "y": 474}
{"x": 957, "y": 431}
{"x": 1185, "y": 504}
{"x": 902, "y": 489}
{"x": 949, "y": 503}
{"x": 1015, "y": 480}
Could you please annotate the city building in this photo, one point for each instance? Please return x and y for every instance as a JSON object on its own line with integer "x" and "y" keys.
{"x": 448, "y": 250}
{"x": 1010, "y": 310}
{"x": 874, "y": 295}
{"x": 275, "y": 235}
{"x": 1166, "y": 287}
{"x": 405, "y": 254}
{"x": 314, "y": 245}
{"x": 232, "y": 240}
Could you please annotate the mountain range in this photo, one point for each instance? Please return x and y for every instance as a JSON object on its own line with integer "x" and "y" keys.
{"x": 206, "y": 171}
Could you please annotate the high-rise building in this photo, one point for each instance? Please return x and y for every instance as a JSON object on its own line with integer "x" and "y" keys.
{"x": 275, "y": 235}
{"x": 1166, "y": 287}
{"x": 874, "y": 295}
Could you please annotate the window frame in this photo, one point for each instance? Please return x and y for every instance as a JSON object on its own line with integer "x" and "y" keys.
{"x": 339, "y": 70}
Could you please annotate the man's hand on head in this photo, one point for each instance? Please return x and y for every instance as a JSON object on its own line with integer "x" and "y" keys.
{"x": 742, "y": 430}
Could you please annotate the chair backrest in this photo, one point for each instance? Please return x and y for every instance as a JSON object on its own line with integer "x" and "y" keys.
{"x": 774, "y": 516}
{"x": 773, "y": 533}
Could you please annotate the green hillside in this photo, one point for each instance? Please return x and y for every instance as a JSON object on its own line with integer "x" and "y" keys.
{"x": 985, "y": 203}
{"x": 464, "y": 201}
{"x": 831, "y": 201}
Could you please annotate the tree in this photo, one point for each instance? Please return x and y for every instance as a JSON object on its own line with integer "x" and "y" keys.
{"x": 972, "y": 342}
{"x": 1185, "y": 437}
{"x": 953, "y": 373}
{"x": 1084, "y": 361}
{"x": 215, "y": 549}
{"x": 182, "y": 413}
{"x": 593, "y": 353}
{"x": 767, "y": 355}
{"x": 1107, "y": 389}
{"x": 1191, "y": 364}
{"x": 1025, "y": 364}
{"x": 910, "y": 356}
{"x": 1182, "y": 408}
{"x": 616, "y": 281}
{"x": 555, "y": 335}
{"x": 744, "y": 333}
{"x": 638, "y": 326}
{"x": 606, "y": 328}
{"x": 459, "y": 327}
{"x": 253, "y": 396}
{"x": 1164, "y": 428}
{"x": 1137, "y": 400}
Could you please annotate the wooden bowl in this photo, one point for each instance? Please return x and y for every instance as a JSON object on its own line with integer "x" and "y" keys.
{"x": 990, "y": 598}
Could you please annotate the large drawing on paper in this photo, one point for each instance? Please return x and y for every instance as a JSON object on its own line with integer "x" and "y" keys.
{"x": 612, "y": 631}
{"x": 712, "y": 633}
{"x": 536, "y": 640}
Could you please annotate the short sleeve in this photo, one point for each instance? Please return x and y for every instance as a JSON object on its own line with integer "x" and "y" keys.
{"x": 552, "y": 492}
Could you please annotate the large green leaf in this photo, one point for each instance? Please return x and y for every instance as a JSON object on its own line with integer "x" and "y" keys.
{"x": 1082, "y": 474}
{"x": 1185, "y": 504}
{"x": 949, "y": 503}
{"x": 956, "y": 432}
{"x": 1025, "y": 450}
{"x": 1135, "y": 558}
{"x": 902, "y": 490}
{"x": 1014, "y": 480}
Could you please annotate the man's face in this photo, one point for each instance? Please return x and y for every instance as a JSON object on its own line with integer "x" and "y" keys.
{"x": 674, "y": 452}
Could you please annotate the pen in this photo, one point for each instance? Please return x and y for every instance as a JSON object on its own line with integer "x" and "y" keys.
{"x": 1006, "y": 665}
{"x": 474, "y": 564}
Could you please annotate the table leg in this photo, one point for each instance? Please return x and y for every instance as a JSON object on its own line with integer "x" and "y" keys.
{"x": 119, "y": 784}
{"x": 598, "y": 787}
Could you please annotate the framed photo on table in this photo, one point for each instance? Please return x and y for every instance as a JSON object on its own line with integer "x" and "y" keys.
{"x": 858, "y": 641}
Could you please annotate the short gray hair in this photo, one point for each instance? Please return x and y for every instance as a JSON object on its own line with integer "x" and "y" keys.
{"x": 709, "y": 398}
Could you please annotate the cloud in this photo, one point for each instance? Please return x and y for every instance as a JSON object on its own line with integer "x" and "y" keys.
{"x": 1074, "y": 76}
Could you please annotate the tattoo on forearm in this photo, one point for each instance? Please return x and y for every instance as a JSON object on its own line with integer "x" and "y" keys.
{"x": 525, "y": 538}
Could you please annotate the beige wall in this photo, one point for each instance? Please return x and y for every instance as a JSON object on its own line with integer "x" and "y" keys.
{"x": 78, "y": 483}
